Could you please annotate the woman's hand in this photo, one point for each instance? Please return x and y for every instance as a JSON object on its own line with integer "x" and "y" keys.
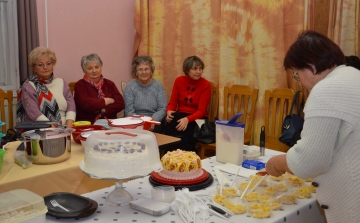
{"x": 69, "y": 123}
{"x": 183, "y": 123}
{"x": 275, "y": 167}
{"x": 169, "y": 116}
{"x": 109, "y": 101}
{"x": 152, "y": 127}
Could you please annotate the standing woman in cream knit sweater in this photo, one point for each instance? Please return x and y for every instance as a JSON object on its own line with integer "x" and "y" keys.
{"x": 329, "y": 148}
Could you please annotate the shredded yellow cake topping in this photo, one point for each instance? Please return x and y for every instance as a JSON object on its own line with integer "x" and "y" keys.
{"x": 181, "y": 161}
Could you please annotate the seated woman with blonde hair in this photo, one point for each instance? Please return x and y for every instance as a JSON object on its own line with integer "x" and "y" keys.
{"x": 44, "y": 97}
{"x": 95, "y": 96}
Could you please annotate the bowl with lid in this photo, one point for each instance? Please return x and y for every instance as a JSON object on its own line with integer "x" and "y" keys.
{"x": 47, "y": 146}
{"x": 85, "y": 128}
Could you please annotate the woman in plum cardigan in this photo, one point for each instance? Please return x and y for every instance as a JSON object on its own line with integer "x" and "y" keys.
{"x": 95, "y": 96}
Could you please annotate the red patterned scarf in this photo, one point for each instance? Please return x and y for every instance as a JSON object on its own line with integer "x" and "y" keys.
{"x": 97, "y": 86}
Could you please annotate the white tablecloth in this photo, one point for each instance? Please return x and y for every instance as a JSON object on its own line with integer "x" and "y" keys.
{"x": 304, "y": 211}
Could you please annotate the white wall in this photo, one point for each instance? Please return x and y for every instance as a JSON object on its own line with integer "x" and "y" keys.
{"x": 79, "y": 27}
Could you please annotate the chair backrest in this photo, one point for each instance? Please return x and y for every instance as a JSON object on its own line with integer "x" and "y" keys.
{"x": 72, "y": 87}
{"x": 123, "y": 86}
{"x": 241, "y": 98}
{"x": 10, "y": 120}
{"x": 277, "y": 106}
{"x": 213, "y": 107}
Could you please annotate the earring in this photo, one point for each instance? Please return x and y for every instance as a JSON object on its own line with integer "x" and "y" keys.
{"x": 313, "y": 77}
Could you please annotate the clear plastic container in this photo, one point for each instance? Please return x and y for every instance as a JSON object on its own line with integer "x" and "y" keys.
{"x": 251, "y": 152}
{"x": 22, "y": 206}
{"x": 227, "y": 191}
{"x": 236, "y": 205}
{"x": 303, "y": 192}
{"x": 260, "y": 210}
{"x": 121, "y": 154}
{"x": 294, "y": 181}
{"x": 230, "y": 140}
{"x": 163, "y": 193}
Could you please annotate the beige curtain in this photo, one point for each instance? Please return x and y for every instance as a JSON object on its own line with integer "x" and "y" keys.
{"x": 241, "y": 41}
{"x": 344, "y": 25}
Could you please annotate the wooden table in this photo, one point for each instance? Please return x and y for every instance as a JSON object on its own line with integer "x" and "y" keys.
{"x": 65, "y": 176}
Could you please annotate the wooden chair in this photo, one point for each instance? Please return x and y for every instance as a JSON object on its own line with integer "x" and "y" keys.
{"x": 213, "y": 109}
{"x": 277, "y": 106}
{"x": 10, "y": 121}
{"x": 72, "y": 87}
{"x": 123, "y": 85}
{"x": 241, "y": 98}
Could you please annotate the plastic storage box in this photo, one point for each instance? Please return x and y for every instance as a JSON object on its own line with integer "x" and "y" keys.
{"x": 22, "y": 206}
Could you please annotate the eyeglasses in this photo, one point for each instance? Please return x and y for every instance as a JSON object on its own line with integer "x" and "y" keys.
{"x": 142, "y": 70}
{"x": 41, "y": 65}
{"x": 295, "y": 75}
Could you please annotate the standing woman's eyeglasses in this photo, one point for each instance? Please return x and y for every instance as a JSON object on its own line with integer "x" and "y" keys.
{"x": 295, "y": 75}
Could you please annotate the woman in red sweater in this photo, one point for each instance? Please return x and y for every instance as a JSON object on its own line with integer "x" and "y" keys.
{"x": 189, "y": 101}
{"x": 95, "y": 96}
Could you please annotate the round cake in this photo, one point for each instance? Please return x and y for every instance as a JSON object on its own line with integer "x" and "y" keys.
{"x": 181, "y": 165}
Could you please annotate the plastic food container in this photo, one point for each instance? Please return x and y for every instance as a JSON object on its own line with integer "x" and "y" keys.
{"x": 251, "y": 152}
{"x": 260, "y": 210}
{"x": 22, "y": 206}
{"x": 163, "y": 193}
{"x": 2, "y": 154}
{"x": 81, "y": 123}
{"x": 294, "y": 181}
{"x": 236, "y": 205}
{"x": 85, "y": 128}
{"x": 230, "y": 140}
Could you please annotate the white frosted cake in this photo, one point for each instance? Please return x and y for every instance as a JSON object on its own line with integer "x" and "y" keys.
{"x": 121, "y": 156}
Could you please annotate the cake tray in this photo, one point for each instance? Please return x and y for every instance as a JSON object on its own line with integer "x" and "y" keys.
{"x": 156, "y": 176}
{"x": 193, "y": 187}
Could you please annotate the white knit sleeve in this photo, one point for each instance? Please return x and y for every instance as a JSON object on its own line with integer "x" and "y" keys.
{"x": 320, "y": 138}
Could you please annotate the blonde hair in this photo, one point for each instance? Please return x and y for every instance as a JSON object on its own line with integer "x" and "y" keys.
{"x": 40, "y": 52}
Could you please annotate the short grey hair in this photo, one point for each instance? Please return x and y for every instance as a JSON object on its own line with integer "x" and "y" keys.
{"x": 90, "y": 58}
{"x": 142, "y": 59}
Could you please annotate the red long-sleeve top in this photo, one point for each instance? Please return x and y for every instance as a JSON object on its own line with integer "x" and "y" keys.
{"x": 190, "y": 96}
{"x": 88, "y": 105}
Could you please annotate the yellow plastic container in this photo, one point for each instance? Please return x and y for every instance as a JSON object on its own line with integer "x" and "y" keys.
{"x": 80, "y": 123}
